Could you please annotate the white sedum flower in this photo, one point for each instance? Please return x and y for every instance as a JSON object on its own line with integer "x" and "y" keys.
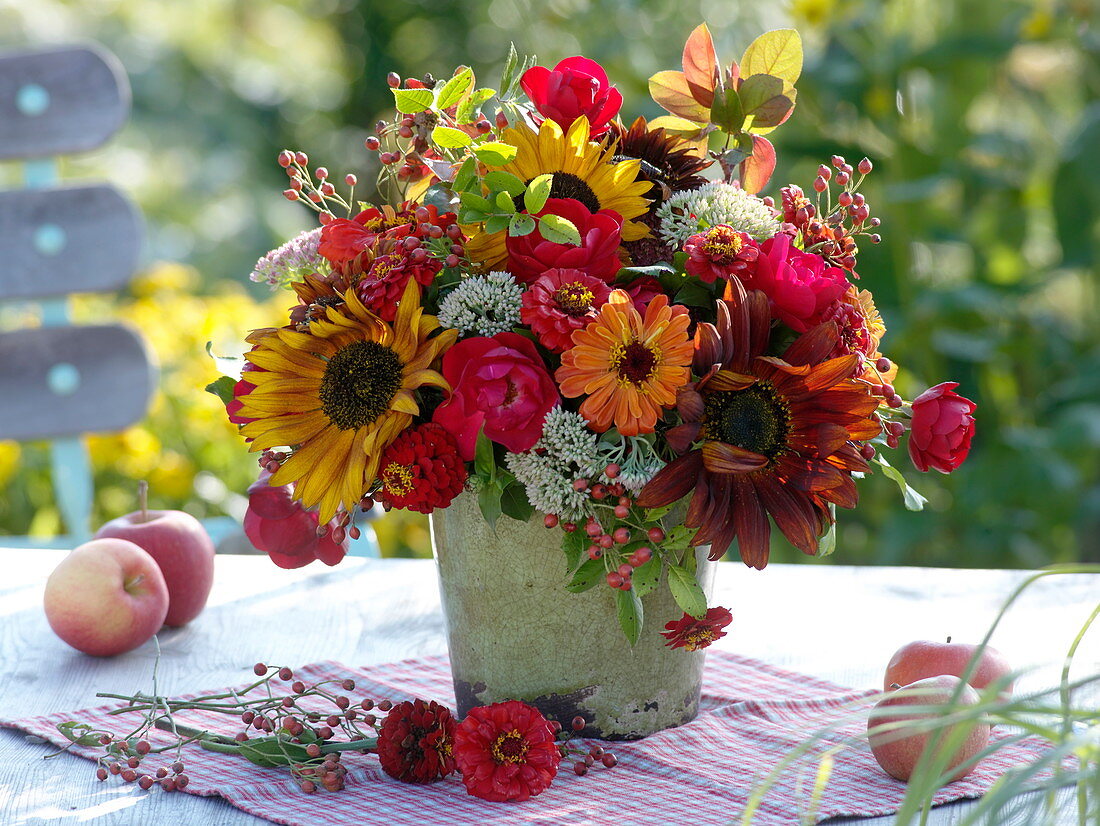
{"x": 565, "y": 452}
{"x": 292, "y": 261}
{"x": 482, "y": 305}
{"x": 689, "y": 212}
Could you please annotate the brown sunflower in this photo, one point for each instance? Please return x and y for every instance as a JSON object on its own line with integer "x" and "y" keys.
{"x": 339, "y": 394}
{"x": 765, "y": 436}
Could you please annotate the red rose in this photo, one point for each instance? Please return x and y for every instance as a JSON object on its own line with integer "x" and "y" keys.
{"x": 506, "y": 752}
{"x": 280, "y": 527}
{"x": 800, "y": 285}
{"x": 575, "y": 87}
{"x": 500, "y": 383}
{"x": 942, "y": 428}
{"x": 529, "y": 256}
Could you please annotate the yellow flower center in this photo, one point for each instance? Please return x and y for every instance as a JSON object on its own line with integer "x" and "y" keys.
{"x": 574, "y": 298}
{"x": 397, "y": 479}
{"x": 722, "y": 244}
{"x": 383, "y": 265}
{"x": 360, "y": 381}
{"x": 635, "y": 363}
{"x": 699, "y": 639}
{"x": 509, "y": 747}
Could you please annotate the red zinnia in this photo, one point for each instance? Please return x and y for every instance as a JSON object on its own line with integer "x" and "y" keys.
{"x": 529, "y": 256}
{"x": 421, "y": 470}
{"x": 693, "y": 634}
{"x": 719, "y": 252}
{"x": 384, "y": 282}
{"x": 560, "y": 302}
{"x": 506, "y": 752}
{"x": 416, "y": 742}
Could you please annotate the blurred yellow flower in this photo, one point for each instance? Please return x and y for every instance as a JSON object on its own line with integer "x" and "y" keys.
{"x": 9, "y": 461}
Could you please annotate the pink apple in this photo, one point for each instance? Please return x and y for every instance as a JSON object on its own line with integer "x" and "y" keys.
{"x": 183, "y": 550}
{"x": 924, "y": 658}
{"x": 106, "y": 597}
{"x": 898, "y": 755}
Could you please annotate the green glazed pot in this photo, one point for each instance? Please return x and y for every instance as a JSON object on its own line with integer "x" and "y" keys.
{"x": 514, "y": 632}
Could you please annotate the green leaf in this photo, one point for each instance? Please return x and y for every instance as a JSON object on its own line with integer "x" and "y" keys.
{"x": 466, "y": 175}
{"x": 485, "y": 464}
{"x": 505, "y": 203}
{"x": 222, "y": 388}
{"x": 508, "y": 73}
{"x": 471, "y": 216}
{"x": 726, "y": 111}
{"x": 412, "y": 101}
{"x": 558, "y": 230}
{"x": 227, "y": 365}
{"x": 657, "y": 514}
{"x": 449, "y": 138}
{"x": 520, "y": 225}
{"x": 912, "y": 499}
{"x": 467, "y": 111}
{"x": 590, "y": 572}
{"x": 273, "y": 751}
{"x": 653, "y": 270}
{"x": 686, "y": 591}
{"x": 513, "y": 502}
{"x": 501, "y": 181}
{"x": 767, "y": 101}
{"x": 455, "y": 88}
{"x": 495, "y": 153}
{"x": 497, "y": 223}
{"x": 630, "y": 614}
{"x": 488, "y": 499}
{"x": 475, "y": 201}
{"x": 647, "y": 577}
{"x": 534, "y": 199}
{"x": 827, "y": 543}
{"x": 678, "y": 538}
{"x": 573, "y": 546}
{"x": 777, "y": 52}
{"x": 694, "y": 294}
{"x": 80, "y": 734}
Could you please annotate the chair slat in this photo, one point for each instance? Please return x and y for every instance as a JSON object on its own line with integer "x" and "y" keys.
{"x": 59, "y": 100}
{"x": 67, "y": 240}
{"x": 62, "y": 381}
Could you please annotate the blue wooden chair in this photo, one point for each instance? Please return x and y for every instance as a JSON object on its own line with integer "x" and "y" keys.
{"x": 59, "y": 381}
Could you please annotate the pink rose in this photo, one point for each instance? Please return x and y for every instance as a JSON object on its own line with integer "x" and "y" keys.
{"x": 280, "y": 527}
{"x": 501, "y": 384}
{"x": 800, "y": 285}
{"x": 942, "y": 428}
{"x": 531, "y": 255}
{"x": 576, "y": 86}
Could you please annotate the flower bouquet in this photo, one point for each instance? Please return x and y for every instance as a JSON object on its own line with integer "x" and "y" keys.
{"x": 565, "y": 328}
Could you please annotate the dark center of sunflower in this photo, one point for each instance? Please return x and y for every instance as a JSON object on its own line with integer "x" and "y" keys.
{"x": 634, "y": 362}
{"x": 509, "y": 747}
{"x": 567, "y": 185}
{"x": 574, "y": 299}
{"x": 756, "y": 419}
{"x": 359, "y": 383}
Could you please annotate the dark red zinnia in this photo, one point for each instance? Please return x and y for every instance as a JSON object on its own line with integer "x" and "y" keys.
{"x": 421, "y": 470}
{"x": 719, "y": 252}
{"x": 416, "y": 742}
{"x": 506, "y": 752}
{"x": 692, "y": 633}
{"x": 560, "y": 302}
{"x": 383, "y": 283}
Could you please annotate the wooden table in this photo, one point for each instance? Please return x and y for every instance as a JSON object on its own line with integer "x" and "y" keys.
{"x": 840, "y": 623}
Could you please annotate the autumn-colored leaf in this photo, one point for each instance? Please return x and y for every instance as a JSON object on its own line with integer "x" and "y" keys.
{"x": 767, "y": 102}
{"x": 777, "y": 52}
{"x": 671, "y": 91}
{"x": 701, "y": 65}
{"x": 726, "y": 112}
{"x": 756, "y": 170}
{"x": 692, "y": 133}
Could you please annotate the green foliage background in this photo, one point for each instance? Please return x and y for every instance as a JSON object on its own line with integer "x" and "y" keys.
{"x": 982, "y": 117}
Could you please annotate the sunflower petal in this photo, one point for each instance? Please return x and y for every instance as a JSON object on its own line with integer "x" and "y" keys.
{"x": 751, "y": 523}
{"x": 672, "y": 482}
{"x": 723, "y": 458}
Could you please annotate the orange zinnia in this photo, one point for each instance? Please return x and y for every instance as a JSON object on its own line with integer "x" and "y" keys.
{"x": 629, "y": 367}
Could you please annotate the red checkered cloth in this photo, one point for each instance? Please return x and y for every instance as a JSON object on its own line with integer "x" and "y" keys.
{"x": 753, "y": 715}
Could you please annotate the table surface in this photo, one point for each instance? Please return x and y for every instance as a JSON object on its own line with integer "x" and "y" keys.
{"x": 836, "y": 622}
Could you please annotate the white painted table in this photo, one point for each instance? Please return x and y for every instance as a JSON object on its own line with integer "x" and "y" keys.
{"x": 840, "y": 623}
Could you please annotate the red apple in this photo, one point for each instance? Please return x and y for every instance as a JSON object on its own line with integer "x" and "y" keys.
{"x": 106, "y": 597}
{"x": 898, "y": 755}
{"x": 924, "y": 658}
{"x": 183, "y": 550}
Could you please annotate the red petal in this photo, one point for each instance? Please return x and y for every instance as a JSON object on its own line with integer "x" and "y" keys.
{"x": 751, "y": 523}
{"x": 723, "y": 458}
{"x": 813, "y": 346}
{"x": 791, "y": 510}
{"x": 672, "y": 482}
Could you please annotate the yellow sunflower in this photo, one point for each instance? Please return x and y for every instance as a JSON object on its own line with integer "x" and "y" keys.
{"x": 582, "y": 169}
{"x": 340, "y": 394}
